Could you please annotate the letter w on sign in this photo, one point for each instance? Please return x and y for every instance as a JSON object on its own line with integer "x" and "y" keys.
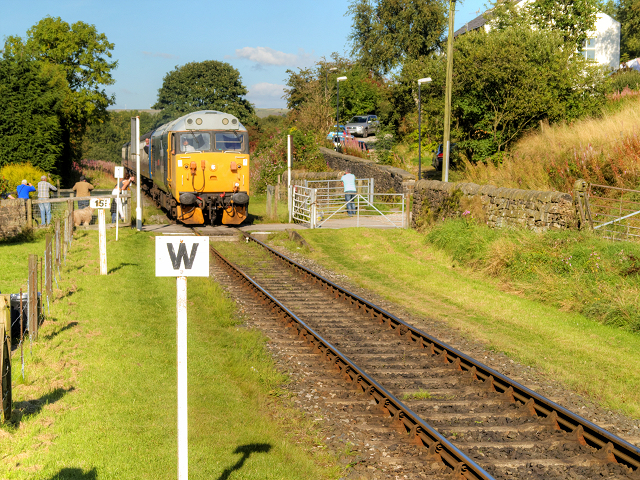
{"x": 182, "y": 256}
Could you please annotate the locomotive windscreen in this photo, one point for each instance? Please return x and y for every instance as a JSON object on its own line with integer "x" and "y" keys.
{"x": 199, "y": 142}
{"x": 231, "y": 141}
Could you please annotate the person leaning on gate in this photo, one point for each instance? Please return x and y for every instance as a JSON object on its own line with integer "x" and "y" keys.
{"x": 116, "y": 204}
{"x": 82, "y": 189}
{"x": 24, "y": 189}
{"x": 349, "y": 182}
{"x": 43, "y": 192}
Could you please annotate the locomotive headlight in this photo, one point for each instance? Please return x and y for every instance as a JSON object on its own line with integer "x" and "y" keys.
{"x": 225, "y": 121}
{"x": 198, "y": 121}
{"x": 213, "y": 167}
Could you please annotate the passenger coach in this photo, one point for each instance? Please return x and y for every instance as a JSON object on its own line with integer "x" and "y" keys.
{"x": 196, "y": 168}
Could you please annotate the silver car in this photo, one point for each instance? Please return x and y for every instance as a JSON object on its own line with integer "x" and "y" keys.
{"x": 363, "y": 125}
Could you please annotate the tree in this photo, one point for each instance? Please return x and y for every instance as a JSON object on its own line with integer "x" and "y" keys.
{"x": 208, "y": 85}
{"x": 574, "y": 19}
{"x": 32, "y": 95}
{"x": 385, "y": 33}
{"x": 507, "y": 81}
{"x": 82, "y": 54}
{"x": 629, "y": 17}
{"x": 103, "y": 141}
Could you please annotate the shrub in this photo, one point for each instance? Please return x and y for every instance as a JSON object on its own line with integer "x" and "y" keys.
{"x": 15, "y": 173}
{"x": 623, "y": 79}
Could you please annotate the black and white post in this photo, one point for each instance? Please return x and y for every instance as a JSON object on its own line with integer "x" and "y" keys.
{"x": 182, "y": 257}
{"x": 119, "y": 174}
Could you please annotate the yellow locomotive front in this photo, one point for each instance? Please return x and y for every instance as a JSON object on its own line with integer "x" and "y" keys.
{"x": 199, "y": 167}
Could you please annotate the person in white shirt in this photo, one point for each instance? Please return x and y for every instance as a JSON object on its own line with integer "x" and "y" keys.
{"x": 349, "y": 183}
{"x": 187, "y": 147}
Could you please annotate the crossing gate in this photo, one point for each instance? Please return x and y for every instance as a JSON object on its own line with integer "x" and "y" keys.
{"x": 613, "y": 211}
{"x": 322, "y": 203}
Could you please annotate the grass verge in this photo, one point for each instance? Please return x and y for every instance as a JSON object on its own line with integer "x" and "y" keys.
{"x": 598, "y": 360}
{"x": 99, "y": 395}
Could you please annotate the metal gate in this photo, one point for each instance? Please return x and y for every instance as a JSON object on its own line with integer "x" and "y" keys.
{"x": 326, "y": 206}
{"x": 613, "y": 211}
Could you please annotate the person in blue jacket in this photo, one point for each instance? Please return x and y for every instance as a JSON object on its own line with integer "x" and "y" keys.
{"x": 24, "y": 189}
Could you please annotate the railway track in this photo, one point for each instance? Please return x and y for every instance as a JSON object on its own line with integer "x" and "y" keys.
{"x": 453, "y": 416}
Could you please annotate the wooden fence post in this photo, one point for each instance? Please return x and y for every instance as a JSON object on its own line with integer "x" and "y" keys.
{"x": 58, "y": 243}
{"x": 276, "y": 197}
{"x": 47, "y": 265}
{"x": 270, "y": 191}
{"x": 5, "y": 359}
{"x": 29, "y": 213}
{"x": 32, "y": 298}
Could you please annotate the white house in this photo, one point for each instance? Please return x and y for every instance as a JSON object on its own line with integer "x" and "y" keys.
{"x": 602, "y": 45}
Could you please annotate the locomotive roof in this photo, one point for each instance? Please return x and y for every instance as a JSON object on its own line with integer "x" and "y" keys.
{"x": 204, "y": 120}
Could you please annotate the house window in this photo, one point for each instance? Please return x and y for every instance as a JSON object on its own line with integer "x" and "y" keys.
{"x": 589, "y": 48}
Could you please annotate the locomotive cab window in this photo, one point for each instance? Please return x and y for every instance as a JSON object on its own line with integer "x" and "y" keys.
{"x": 231, "y": 142}
{"x": 195, "y": 142}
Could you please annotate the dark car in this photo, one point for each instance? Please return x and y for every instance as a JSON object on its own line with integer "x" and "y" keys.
{"x": 438, "y": 156}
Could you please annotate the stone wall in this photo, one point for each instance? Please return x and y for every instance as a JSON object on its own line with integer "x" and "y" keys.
{"x": 498, "y": 207}
{"x": 386, "y": 179}
{"x": 13, "y": 217}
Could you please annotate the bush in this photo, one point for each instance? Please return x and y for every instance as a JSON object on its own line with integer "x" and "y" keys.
{"x": 15, "y": 173}
{"x": 621, "y": 79}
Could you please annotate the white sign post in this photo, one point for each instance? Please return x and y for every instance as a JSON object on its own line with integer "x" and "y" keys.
{"x": 101, "y": 204}
{"x": 119, "y": 173}
{"x": 135, "y": 151}
{"x": 182, "y": 257}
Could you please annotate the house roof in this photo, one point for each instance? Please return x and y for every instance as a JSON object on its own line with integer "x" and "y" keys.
{"x": 474, "y": 24}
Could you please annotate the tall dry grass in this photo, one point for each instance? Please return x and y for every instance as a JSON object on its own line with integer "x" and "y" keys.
{"x": 603, "y": 150}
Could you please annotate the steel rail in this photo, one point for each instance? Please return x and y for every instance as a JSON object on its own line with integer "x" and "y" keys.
{"x": 439, "y": 447}
{"x": 611, "y": 446}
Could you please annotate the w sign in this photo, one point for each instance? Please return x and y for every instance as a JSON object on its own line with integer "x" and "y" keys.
{"x": 182, "y": 256}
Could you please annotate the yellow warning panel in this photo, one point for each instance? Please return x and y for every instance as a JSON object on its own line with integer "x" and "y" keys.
{"x": 234, "y": 214}
{"x": 190, "y": 215}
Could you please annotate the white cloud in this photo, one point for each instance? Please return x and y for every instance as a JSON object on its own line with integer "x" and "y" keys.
{"x": 269, "y": 56}
{"x": 266, "y": 95}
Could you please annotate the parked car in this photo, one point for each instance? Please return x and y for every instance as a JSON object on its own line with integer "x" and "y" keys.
{"x": 363, "y": 125}
{"x": 438, "y": 156}
{"x": 332, "y": 133}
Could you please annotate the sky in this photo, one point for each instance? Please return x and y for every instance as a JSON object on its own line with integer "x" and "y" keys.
{"x": 261, "y": 39}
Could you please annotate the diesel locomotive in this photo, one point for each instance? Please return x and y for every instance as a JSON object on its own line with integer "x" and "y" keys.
{"x": 196, "y": 168}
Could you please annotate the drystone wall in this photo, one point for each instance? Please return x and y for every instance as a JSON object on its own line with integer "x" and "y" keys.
{"x": 387, "y": 179}
{"x": 13, "y": 217}
{"x": 498, "y": 207}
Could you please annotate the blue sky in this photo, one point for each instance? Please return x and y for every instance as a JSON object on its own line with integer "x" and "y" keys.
{"x": 260, "y": 39}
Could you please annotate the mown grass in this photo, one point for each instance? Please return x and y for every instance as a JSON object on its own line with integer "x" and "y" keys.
{"x": 99, "y": 397}
{"x": 601, "y": 361}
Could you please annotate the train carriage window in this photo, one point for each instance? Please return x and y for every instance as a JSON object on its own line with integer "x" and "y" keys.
{"x": 230, "y": 141}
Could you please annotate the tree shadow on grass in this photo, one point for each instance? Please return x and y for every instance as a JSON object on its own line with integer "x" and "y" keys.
{"x": 33, "y": 407}
{"x": 75, "y": 474}
{"x": 246, "y": 451}
{"x": 115, "y": 269}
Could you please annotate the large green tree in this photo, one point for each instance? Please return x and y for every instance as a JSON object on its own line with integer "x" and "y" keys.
{"x": 83, "y": 54}
{"x": 32, "y": 96}
{"x": 628, "y": 14}
{"x": 573, "y": 19}
{"x": 507, "y": 81}
{"x": 104, "y": 140}
{"x": 208, "y": 85}
{"x": 386, "y": 33}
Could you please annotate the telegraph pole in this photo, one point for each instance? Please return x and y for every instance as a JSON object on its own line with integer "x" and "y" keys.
{"x": 446, "y": 143}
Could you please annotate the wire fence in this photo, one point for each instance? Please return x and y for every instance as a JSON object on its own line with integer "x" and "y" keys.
{"x": 614, "y": 212}
{"x": 21, "y": 314}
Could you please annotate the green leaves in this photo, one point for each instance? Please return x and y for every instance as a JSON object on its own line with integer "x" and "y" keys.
{"x": 385, "y": 33}
{"x": 208, "y": 85}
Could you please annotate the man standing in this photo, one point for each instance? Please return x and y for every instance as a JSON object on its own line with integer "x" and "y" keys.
{"x": 82, "y": 189}
{"x": 349, "y": 183}
{"x": 43, "y": 192}
{"x": 24, "y": 189}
